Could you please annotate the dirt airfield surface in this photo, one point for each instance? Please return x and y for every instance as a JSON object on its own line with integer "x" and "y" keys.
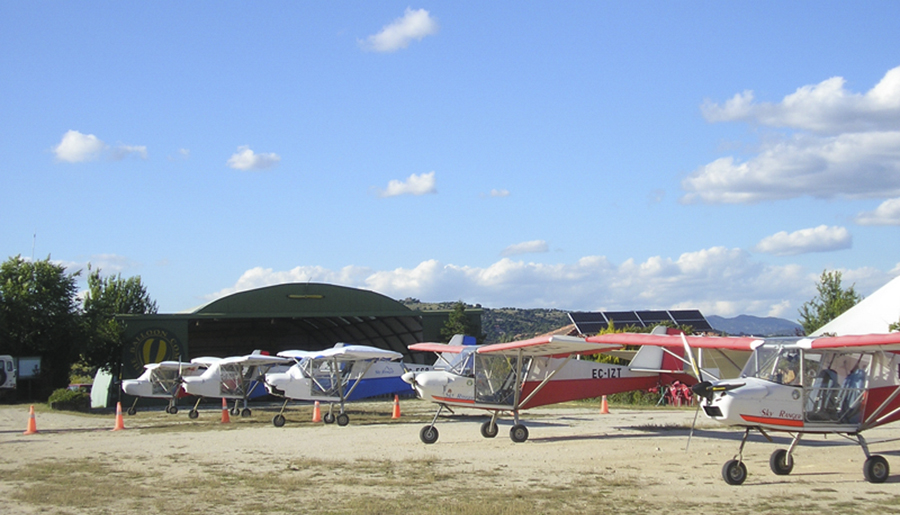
{"x": 576, "y": 460}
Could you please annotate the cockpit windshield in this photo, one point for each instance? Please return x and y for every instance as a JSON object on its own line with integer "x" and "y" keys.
{"x": 778, "y": 364}
{"x": 464, "y": 363}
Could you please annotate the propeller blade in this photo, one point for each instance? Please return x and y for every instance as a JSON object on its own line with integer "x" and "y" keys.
{"x": 690, "y": 355}
{"x": 693, "y": 424}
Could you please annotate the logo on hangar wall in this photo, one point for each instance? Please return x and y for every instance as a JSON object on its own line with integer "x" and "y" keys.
{"x": 153, "y": 346}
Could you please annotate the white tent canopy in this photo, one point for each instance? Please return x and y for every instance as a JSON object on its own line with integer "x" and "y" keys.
{"x": 872, "y": 315}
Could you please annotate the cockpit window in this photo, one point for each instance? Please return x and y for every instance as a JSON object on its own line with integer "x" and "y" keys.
{"x": 464, "y": 365}
{"x": 777, "y": 364}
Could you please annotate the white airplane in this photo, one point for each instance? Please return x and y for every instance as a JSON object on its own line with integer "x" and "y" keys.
{"x": 161, "y": 381}
{"x": 529, "y": 373}
{"x": 337, "y": 375}
{"x": 840, "y": 385}
{"x": 237, "y": 377}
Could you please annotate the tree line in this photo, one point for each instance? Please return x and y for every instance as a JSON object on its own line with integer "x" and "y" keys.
{"x": 43, "y": 314}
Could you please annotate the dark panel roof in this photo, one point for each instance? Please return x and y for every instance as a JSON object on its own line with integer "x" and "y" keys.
{"x": 594, "y": 322}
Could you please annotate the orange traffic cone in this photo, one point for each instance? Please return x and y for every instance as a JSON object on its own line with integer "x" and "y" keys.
{"x": 604, "y": 406}
{"x": 120, "y": 422}
{"x": 32, "y": 427}
{"x": 396, "y": 413}
{"x": 225, "y": 418}
{"x": 317, "y": 413}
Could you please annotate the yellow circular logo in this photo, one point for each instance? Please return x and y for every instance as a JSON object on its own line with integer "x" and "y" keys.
{"x": 153, "y": 346}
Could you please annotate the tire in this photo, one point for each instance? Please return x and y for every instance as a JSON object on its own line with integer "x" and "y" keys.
{"x": 245, "y": 412}
{"x": 489, "y": 430}
{"x": 328, "y": 418}
{"x": 876, "y": 469}
{"x": 173, "y": 410}
{"x": 278, "y": 421}
{"x": 234, "y": 412}
{"x": 343, "y": 419}
{"x": 518, "y": 433}
{"x": 781, "y": 462}
{"x": 193, "y": 414}
{"x": 132, "y": 410}
{"x": 428, "y": 434}
{"x": 734, "y": 472}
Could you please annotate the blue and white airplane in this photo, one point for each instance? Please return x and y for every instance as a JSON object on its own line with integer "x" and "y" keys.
{"x": 337, "y": 375}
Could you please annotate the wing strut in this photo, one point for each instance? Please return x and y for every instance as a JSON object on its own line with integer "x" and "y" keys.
{"x": 542, "y": 383}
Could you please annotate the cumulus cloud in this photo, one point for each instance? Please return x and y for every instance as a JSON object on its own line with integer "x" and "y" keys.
{"x": 76, "y": 147}
{"x": 245, "y": 159}
{"x": 826, "y": 107}
{"x": 527, "y": 247}
{"x": 804, "y": 241}
{"x": 718, "y": 281}
{"x": 843, "y": 144}
{"x": 421, "y": 184}
{"x": 855, "y": 165}
{"x": 499, "y": 193}
{"x": 888, "y": 213}
{"x": 398, "y": 34}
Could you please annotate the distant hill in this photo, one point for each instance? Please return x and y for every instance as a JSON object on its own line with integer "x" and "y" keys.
{"x": 509, "y": 324}
{"x": 754, "y": 326}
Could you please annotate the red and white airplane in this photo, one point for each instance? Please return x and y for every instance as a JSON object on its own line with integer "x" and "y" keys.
{"x": 829, "y": 385}
{"x": 529, "y": 373}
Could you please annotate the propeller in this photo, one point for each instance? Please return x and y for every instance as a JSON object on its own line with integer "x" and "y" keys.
{"x": 699, "y": 375}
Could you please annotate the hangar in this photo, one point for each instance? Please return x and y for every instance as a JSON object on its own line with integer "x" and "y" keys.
{"x": 303, "y": 316}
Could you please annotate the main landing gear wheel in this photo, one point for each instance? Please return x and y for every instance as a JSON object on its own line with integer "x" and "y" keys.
{"x": 234, "y": 412}
{"x": 489, "y": 430}
{"x": 734, "y": 472}
{"x": 518, "y": 433}
{"x": 172, "y": 410}
{"x": 343, "y": 419}
{"x": 328, "y": 418}
{"x": 132, "y": 410}
{"x": 876, "y": 469}
{"x": 193, "y": 413}
{"x": 781, "y": 462}
{"x": 245, "y": 412}
{"x": 428, "y": 434}
{"x": 278, "y": 421}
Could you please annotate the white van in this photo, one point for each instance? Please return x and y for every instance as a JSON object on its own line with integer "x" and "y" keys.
{"x": 8, "y": 375}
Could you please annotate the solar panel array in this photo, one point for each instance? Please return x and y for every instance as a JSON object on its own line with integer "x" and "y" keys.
{"x": 594, "y": 322}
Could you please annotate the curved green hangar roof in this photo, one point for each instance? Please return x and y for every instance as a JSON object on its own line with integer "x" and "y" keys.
{"x": 304, "y": 316}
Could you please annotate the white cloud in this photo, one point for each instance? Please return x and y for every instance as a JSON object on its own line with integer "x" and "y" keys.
{"x": 855, "y": 151}
{"x": 826, "y": 107}
{"x": 245, "y": 159}
{"x": 499, "y": 193}
{"x": 412, "y": 25}
{"x": 888, "y": 213}
{"x": 122, "y": 151}
{"x": 818, "y": 239}
{"x": 527, "y": 247}
{"x": 855, "y": 165}
{"x": 76, "y": 147}
{"x": 718, "y": 281}
{"x": 422, "y": 184}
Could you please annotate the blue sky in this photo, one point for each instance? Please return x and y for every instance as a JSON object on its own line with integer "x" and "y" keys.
{"x": 581, "y": 156}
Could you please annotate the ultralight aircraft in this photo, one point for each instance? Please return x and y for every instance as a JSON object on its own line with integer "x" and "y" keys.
{"x": 841, "y": 385}
{"x": 162, "y": 381}
{"x": 510, "y": 377}
{"x": 337, "y": 375}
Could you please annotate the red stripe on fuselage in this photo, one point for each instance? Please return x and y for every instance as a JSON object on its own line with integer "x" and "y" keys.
{"x": 773, "y": 421}
{"x": 452, "y": 400}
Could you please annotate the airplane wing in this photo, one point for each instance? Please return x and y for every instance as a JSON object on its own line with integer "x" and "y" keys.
{"x": 358, "y": 352}
{"x": 549, "y": 346}
{"x": 296, "y": 354}
{"x": 439, "y": 347}
{"x": 742, "y": 343}
{"x": 206, "y": 360}
{"x": 884, "y": 342}
{"x": 174, "y": 365}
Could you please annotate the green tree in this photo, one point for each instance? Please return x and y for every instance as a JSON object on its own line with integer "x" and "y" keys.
{"x": 457, "y": 322}
{"x": 831, "y": 301}
{"x": 39, "y": 316}
{"x": 895, "y": 326}
{"x": 106, "y": 298}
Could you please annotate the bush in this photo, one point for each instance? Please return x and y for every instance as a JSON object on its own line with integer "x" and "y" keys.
{"x": 70, "y": 400}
